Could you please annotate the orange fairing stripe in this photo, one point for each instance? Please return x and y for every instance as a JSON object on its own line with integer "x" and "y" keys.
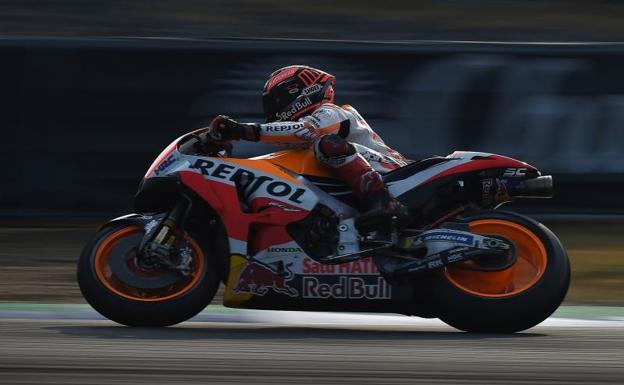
{"x": 302, "y": 162}
{"x": 521, "y": 276}
{"x": 264, "y": 166}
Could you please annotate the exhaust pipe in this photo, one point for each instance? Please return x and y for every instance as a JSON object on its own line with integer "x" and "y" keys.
{"x": 539, "y": 187}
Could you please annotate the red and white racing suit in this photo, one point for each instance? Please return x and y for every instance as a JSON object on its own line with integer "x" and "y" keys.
{"x": 342, "y": 140}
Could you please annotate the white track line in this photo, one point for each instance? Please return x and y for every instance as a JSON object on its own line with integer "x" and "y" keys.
{"x": 354, "y": 319}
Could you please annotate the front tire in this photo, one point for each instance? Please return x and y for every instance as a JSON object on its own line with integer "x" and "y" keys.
{"x": 158, "y": 297}
{"x": 516, "y": 298}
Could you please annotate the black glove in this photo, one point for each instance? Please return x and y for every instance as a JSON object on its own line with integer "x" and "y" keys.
{"x": 225, "y": 129}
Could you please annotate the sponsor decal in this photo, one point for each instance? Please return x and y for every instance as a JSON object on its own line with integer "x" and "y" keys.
{"x": 280, "y": 77}
{"x": 373, "y": 156}
{"x": 346, "y": 288}
{"x": 284, "y": 208}
{"x": 359, "y": 267}
{"x": 308, "y": 132}
{"x": 251, "y": 183}
{"x": 515, "y": 172}
{"x": 259, "y": 279}
{"x": 450, "y": 237}
{"x": 358, "y": 279}
{"x": 353, "y": 280}
{"x": 435, "y": 264}
{"x": 294, "y": 108}
{"x": 486, "y": 189}
{"x": 312, "y": 89}
{"x": 437, "y": 260}
{"x": 281, "y": 127}
{"x": 165, "y": 163}
{"x": 284, "y": 250}
{"x": 314, "y": 121}
{"x": 454, "y": 257}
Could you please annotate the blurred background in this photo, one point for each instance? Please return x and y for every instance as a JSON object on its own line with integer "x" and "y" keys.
{"x": 91, "y": 92}
{"x": 500, "y": 20}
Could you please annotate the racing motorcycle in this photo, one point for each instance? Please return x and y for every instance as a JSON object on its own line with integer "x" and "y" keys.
{"x": 282, "y": 232}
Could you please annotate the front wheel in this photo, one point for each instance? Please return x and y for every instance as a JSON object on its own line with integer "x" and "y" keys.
{"x": 127, "y": 290}
{"x": 511, "y": 300}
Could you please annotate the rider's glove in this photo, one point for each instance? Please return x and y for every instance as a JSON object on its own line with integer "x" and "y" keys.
{"x": 225, "y": 129}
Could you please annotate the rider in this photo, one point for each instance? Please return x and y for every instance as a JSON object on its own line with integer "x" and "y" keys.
{"x": 300, "y": 112}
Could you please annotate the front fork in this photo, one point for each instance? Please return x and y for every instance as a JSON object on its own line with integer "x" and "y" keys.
{"x": 158, "y": 242}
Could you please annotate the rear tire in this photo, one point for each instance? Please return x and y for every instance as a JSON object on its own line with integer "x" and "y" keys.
{"x": 122, "y": 305}
{"x": 478, "y": 309}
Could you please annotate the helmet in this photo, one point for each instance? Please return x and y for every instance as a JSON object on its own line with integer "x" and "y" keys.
{"x": 296, "y": 90}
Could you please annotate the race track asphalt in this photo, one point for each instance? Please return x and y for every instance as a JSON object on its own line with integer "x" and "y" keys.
{"x": 297, "y": 348}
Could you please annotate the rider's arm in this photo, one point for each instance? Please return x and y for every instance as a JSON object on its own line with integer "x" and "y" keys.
{"x": 325, "y": 120}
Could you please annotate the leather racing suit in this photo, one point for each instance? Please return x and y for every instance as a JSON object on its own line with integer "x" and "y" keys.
{"x": 342, "y": 140}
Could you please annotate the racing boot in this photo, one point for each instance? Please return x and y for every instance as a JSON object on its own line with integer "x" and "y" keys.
{"x": 366, "y": 183}
{"x": 383, "y": 212}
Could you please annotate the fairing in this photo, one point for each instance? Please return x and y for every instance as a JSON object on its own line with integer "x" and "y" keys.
{"x": 301, "y": 162}
{"x": 256, "y": 199}
{"x": 459, "y": 162}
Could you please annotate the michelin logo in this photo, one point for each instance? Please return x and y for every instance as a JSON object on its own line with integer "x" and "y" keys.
{"x": 449, "y": 237}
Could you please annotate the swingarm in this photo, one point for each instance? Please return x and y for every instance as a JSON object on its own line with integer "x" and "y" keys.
{"x": 434, "y": 249}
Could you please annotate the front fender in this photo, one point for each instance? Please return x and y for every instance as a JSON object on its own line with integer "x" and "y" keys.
{"x": 144, "y": 221}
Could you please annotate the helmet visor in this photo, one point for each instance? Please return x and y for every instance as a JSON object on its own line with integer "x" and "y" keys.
{"x": 280, "y": 97}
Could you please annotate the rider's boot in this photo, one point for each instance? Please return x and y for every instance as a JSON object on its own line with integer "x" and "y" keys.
{"x": 366, "y": 183}
{"x": 383, "y": 211}
{"x": 370, "y": 189}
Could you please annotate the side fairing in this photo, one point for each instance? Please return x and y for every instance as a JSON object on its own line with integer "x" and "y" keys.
{"x": 301, "y": 162}
{"x": 256, "y": 200}
{"x": 234, "y": 187}
{"x": 169, "y": 158}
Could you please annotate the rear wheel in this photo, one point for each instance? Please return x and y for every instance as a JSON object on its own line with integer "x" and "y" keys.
{"x": 135, "y": 292}
{"x": 511, "y": 300}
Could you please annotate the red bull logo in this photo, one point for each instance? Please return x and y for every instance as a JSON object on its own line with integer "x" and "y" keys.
{"x": 257, "y": 279}
{"x": 347, "y": 288}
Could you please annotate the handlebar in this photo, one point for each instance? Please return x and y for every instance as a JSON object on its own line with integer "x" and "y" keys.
{"x": 200, "y": 143}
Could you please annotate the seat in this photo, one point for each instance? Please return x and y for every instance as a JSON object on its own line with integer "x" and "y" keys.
{"x": 412, "y": 168}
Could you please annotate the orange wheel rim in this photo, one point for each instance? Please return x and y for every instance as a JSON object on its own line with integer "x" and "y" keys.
{"x": 521, "y": 276}
{"x": 107, "y": 278}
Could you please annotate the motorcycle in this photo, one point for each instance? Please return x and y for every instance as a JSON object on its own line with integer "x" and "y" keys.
{"x": 281, "y": 232}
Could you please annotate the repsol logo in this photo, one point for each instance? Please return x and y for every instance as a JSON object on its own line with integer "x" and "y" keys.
{"x": 277, "y": 127}
{"x": 248, "y": 180}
